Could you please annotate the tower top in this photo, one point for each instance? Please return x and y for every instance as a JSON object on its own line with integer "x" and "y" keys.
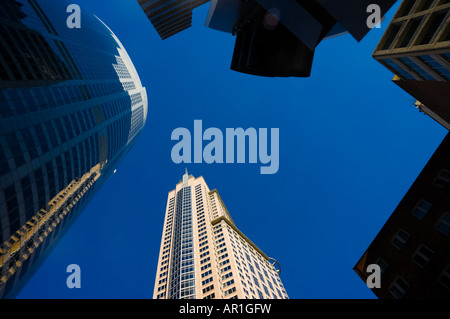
{"x": 185, "y": 178}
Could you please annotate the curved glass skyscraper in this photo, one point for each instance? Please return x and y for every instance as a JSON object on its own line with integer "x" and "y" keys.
{"x": 71, "y": 107}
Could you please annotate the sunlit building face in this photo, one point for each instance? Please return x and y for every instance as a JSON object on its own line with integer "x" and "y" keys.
{"x": 203, "y": 254}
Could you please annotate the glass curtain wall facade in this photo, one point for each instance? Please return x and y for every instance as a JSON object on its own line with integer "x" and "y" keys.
{"x": 71, "y": 107}
{"x": 182, "y": 284}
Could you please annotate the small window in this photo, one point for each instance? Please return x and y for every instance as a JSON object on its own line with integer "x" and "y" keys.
{"x": 435, "y": 66}
{"x": 422, "y": 256}
{"x": 416, "y": 68}
{"x": 397, "y": 69}
{"x": 211, "y": 296}
{"x": 445, "y": 56}
{"x": 445, "y": 35}
{"x": 421, "y": 209}
{"x": 229, "y": 291}
{"x": 391, "y": 34}
{"x": 444, "y": 279}
{"x": 400, "y": 239}
{"x": 399, "y": 287}
{"x": 406, "y": 8}
{"x": 383, "y": 264}
{"x": 412, "y": 27}
{"x": 443, "y": 179}
{"x": 443, "y": 225}
{"x": 209, "y": 288}
{"x": 432, "y": 27}
{"x": 425, "y": 5}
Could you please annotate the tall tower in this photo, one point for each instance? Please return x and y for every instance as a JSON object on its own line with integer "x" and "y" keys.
{"x": 71, "y": 107}
{"x": 203, "y": 254}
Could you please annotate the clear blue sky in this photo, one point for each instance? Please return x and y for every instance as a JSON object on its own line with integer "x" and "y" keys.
{"x": 351, "y": 145}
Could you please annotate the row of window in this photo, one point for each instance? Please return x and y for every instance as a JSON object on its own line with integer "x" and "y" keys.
{"x": 48, "y": 180}
{"x": 165, "y": 250}
{"x": 176, "y": 272}
{"x": 264, "y": 280}
{"x": 414, "y": 6}
{"x": 422, "y": 254}
{"x": 187, "y": 253}
{"x": 410, "y": 32}
{"x": 43, "y": 235}
{"x": 28, "y": 56}
{"x": 443, "y": 223}
{"x": 399, "y": 286}
{"x": 422, "y": 67}
{"x": 31, "y": 142}
{"x": 224, "y": 265}
{"x": 203, "y": 246}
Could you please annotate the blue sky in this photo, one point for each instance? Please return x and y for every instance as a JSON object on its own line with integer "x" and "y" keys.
{"x": 351, "y": 145}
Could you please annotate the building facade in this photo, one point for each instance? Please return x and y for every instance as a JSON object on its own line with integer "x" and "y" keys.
{"x": 169, "y": 17}
{"x": 416, "y": 48}
{"x": 71, "y": 107}
{"x": 203, "y": 255}
{"x": 413, "y": 247}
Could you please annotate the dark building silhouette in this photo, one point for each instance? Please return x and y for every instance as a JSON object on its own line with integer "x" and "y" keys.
{"x": 273, "y": 38}
{"x": 71, "y": 107}
{"x": 413, "y": 247}
{"x": 168, "y": 16}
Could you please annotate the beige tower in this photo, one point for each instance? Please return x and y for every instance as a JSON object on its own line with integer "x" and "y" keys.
{"x": 204, "y": 256}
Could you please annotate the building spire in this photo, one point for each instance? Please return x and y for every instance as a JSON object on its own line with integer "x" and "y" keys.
{"x": 185, "y": 178}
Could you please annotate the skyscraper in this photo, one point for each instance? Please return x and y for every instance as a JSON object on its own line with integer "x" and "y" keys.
{"x": 203, "y": 255}
{"x": 71, "y": 107}
{"x": 416, "y": 48}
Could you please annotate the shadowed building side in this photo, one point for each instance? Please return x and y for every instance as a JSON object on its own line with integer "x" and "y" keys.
{"x": 170, "y": 16}
{"x": 413, "y": 247}
{"x": 71, "y": 107}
